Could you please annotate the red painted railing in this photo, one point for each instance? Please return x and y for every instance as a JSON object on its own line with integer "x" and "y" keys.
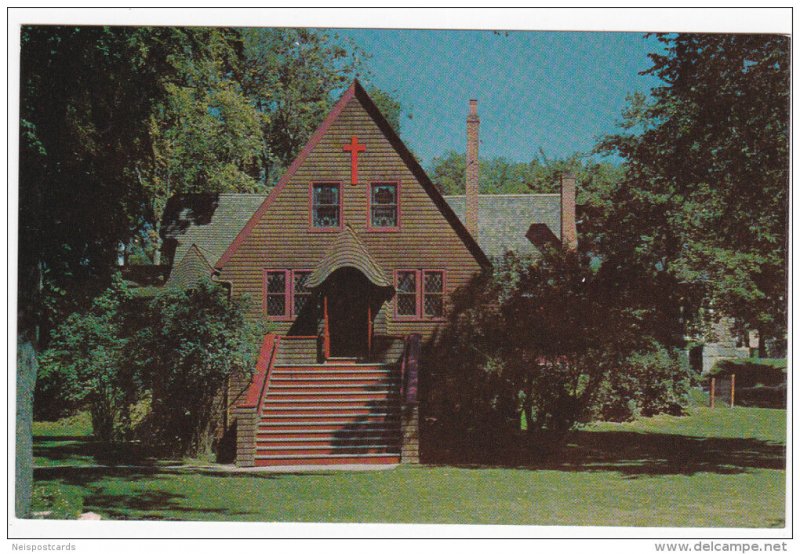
{"x": 409, "y": 369}
{"x": 258, "y": 385}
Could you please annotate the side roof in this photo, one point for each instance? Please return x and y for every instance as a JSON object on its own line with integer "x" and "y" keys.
{"x": 208, "y": 221}
{"x": 505, "y": 219}
{"x": 357, "y": 91}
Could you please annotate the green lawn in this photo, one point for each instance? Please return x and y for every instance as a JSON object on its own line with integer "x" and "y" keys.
{"x": 714, "y": 468}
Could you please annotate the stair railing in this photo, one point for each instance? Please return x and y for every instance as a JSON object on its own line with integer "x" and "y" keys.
{"x": 409, "y": 369}
{"x": 254, "y": 398}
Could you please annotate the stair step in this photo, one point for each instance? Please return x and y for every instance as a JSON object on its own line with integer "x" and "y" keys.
{"x": 323, "y": 446}
{"x": 320, "y": 381}
{"x": 280, "y": 386}
{"x": 328, "y": 366}
{"x": 336, "y": 424}
{"x": 322, "y": 402}
{"x": 332, "y": 436}
{"x": 279, "y": 392}
{"x": 338, "y": 413}
{"x": 294, "y": 459}
{"x": 375, "y": 430}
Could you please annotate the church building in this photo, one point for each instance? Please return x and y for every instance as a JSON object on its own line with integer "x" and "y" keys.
{"x": 352, "y": 258}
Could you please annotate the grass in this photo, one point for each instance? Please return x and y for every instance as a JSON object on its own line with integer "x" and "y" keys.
{"x": 713, "y": 468}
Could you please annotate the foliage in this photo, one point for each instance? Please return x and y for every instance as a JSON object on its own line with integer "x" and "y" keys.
{"x": 649, "y": 382}
{"x": 502, "y": 176}
{"x": 388, "y": 105}
{"x": 289, "y": 75}
{"x": 194, "y": 341}
{"x": 704, "y": 199}
{"x": 544, "y": 337}
{"x": 87, "y": 364}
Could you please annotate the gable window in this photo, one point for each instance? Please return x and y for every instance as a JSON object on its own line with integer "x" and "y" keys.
{"x": 419, "y": 294}
{"x": 326, "y": 204}
{"x": 384, "y": 213}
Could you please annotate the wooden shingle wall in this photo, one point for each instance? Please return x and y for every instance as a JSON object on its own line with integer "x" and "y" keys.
{"x": 282, "y": 239}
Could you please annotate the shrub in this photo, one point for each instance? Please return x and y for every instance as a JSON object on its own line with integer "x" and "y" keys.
{"x": 550, "y": 339}
{"x": 86, "y": 364}
{"x": 649, "y": 382}
{"x": 195, "y": 340}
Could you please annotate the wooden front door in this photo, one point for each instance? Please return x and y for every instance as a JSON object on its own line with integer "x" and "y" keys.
{"x": 348, "y": 314}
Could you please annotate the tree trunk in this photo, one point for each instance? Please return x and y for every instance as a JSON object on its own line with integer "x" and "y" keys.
{"x": 26, "y": 382}
{"x": 157, "y": 238}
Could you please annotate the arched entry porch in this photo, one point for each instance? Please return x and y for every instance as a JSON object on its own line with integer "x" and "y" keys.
{"x": 350, "y": 304}
{"x": 351, "y": 287}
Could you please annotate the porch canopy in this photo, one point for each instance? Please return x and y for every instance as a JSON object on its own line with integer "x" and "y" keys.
{"x": 348, "y": 251}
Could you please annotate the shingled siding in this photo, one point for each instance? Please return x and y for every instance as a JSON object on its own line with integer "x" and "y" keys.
{"x": 281, "y": 239}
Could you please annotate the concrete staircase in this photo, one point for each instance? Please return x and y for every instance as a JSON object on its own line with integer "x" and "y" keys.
{"x": 340, "y": 412}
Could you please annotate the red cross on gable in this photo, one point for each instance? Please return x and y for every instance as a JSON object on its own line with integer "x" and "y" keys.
{"x": 354, "y": 148}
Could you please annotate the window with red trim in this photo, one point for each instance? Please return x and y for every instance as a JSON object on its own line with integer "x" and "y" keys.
{"x": 433, "y": 293}
{"x": 407, "y": 293}
{"x": 383, "y": 206}
{"x": 285, "y": 292}
{"x": 325, "y": 205}
{"x": 300, "y": 293}
{"x": 419, "y": 293}
{"x": 276, "y": 291}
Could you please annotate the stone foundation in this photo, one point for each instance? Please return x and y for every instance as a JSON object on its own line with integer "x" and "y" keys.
{"x": 409, "y": 427}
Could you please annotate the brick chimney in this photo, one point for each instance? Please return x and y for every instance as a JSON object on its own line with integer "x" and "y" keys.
{"x": 569, "y": 228}
{"x": 473, "y": 122}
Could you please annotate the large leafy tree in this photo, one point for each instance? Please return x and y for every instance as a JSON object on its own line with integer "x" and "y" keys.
{"x": 86, "y": 94}
{"x": 704, "y": 201}
{"x": 290, "y": 74}
{"x": 115, "y": 120}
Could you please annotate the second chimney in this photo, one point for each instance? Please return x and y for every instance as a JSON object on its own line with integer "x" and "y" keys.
{"x": 471, "y": 209}
{"x": 569, "y": 228}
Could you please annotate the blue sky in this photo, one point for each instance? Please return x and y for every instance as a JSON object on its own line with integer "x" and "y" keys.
{"x": 557, "y": 91}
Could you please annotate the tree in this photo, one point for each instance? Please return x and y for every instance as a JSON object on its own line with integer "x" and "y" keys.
{"x": 707, "y": 175}
{"x": 388, "y": 105}
{"x": 290, "y": 75}
{"x": 115, "y": 120}
{"x": 502, "y": 176}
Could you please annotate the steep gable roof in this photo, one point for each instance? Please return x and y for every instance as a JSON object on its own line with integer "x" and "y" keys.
{"x": 504, "y": 220}
{"x": 357, "y": 91}
{"x": 190, "y": 269}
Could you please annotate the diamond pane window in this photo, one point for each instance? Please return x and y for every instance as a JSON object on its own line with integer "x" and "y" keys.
{"x": 276, "y": 293}
{"x": 433, "y": 291}
{"x": 407, "y": 293}
{"x": 383, "y": 205}
{"x": 301, "y": 293}
{"x": 325, "y": 204}
{"x": 433, "y": 306}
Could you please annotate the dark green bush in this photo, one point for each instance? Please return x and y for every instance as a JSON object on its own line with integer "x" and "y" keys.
{"x": 87, "y": 364}
{"x": 649, "y": 382}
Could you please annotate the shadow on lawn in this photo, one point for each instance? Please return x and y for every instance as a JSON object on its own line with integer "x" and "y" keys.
{"x": 67, "y": 448}
{"x": 630, "y": 453}
{"x": 152, "y": 503}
